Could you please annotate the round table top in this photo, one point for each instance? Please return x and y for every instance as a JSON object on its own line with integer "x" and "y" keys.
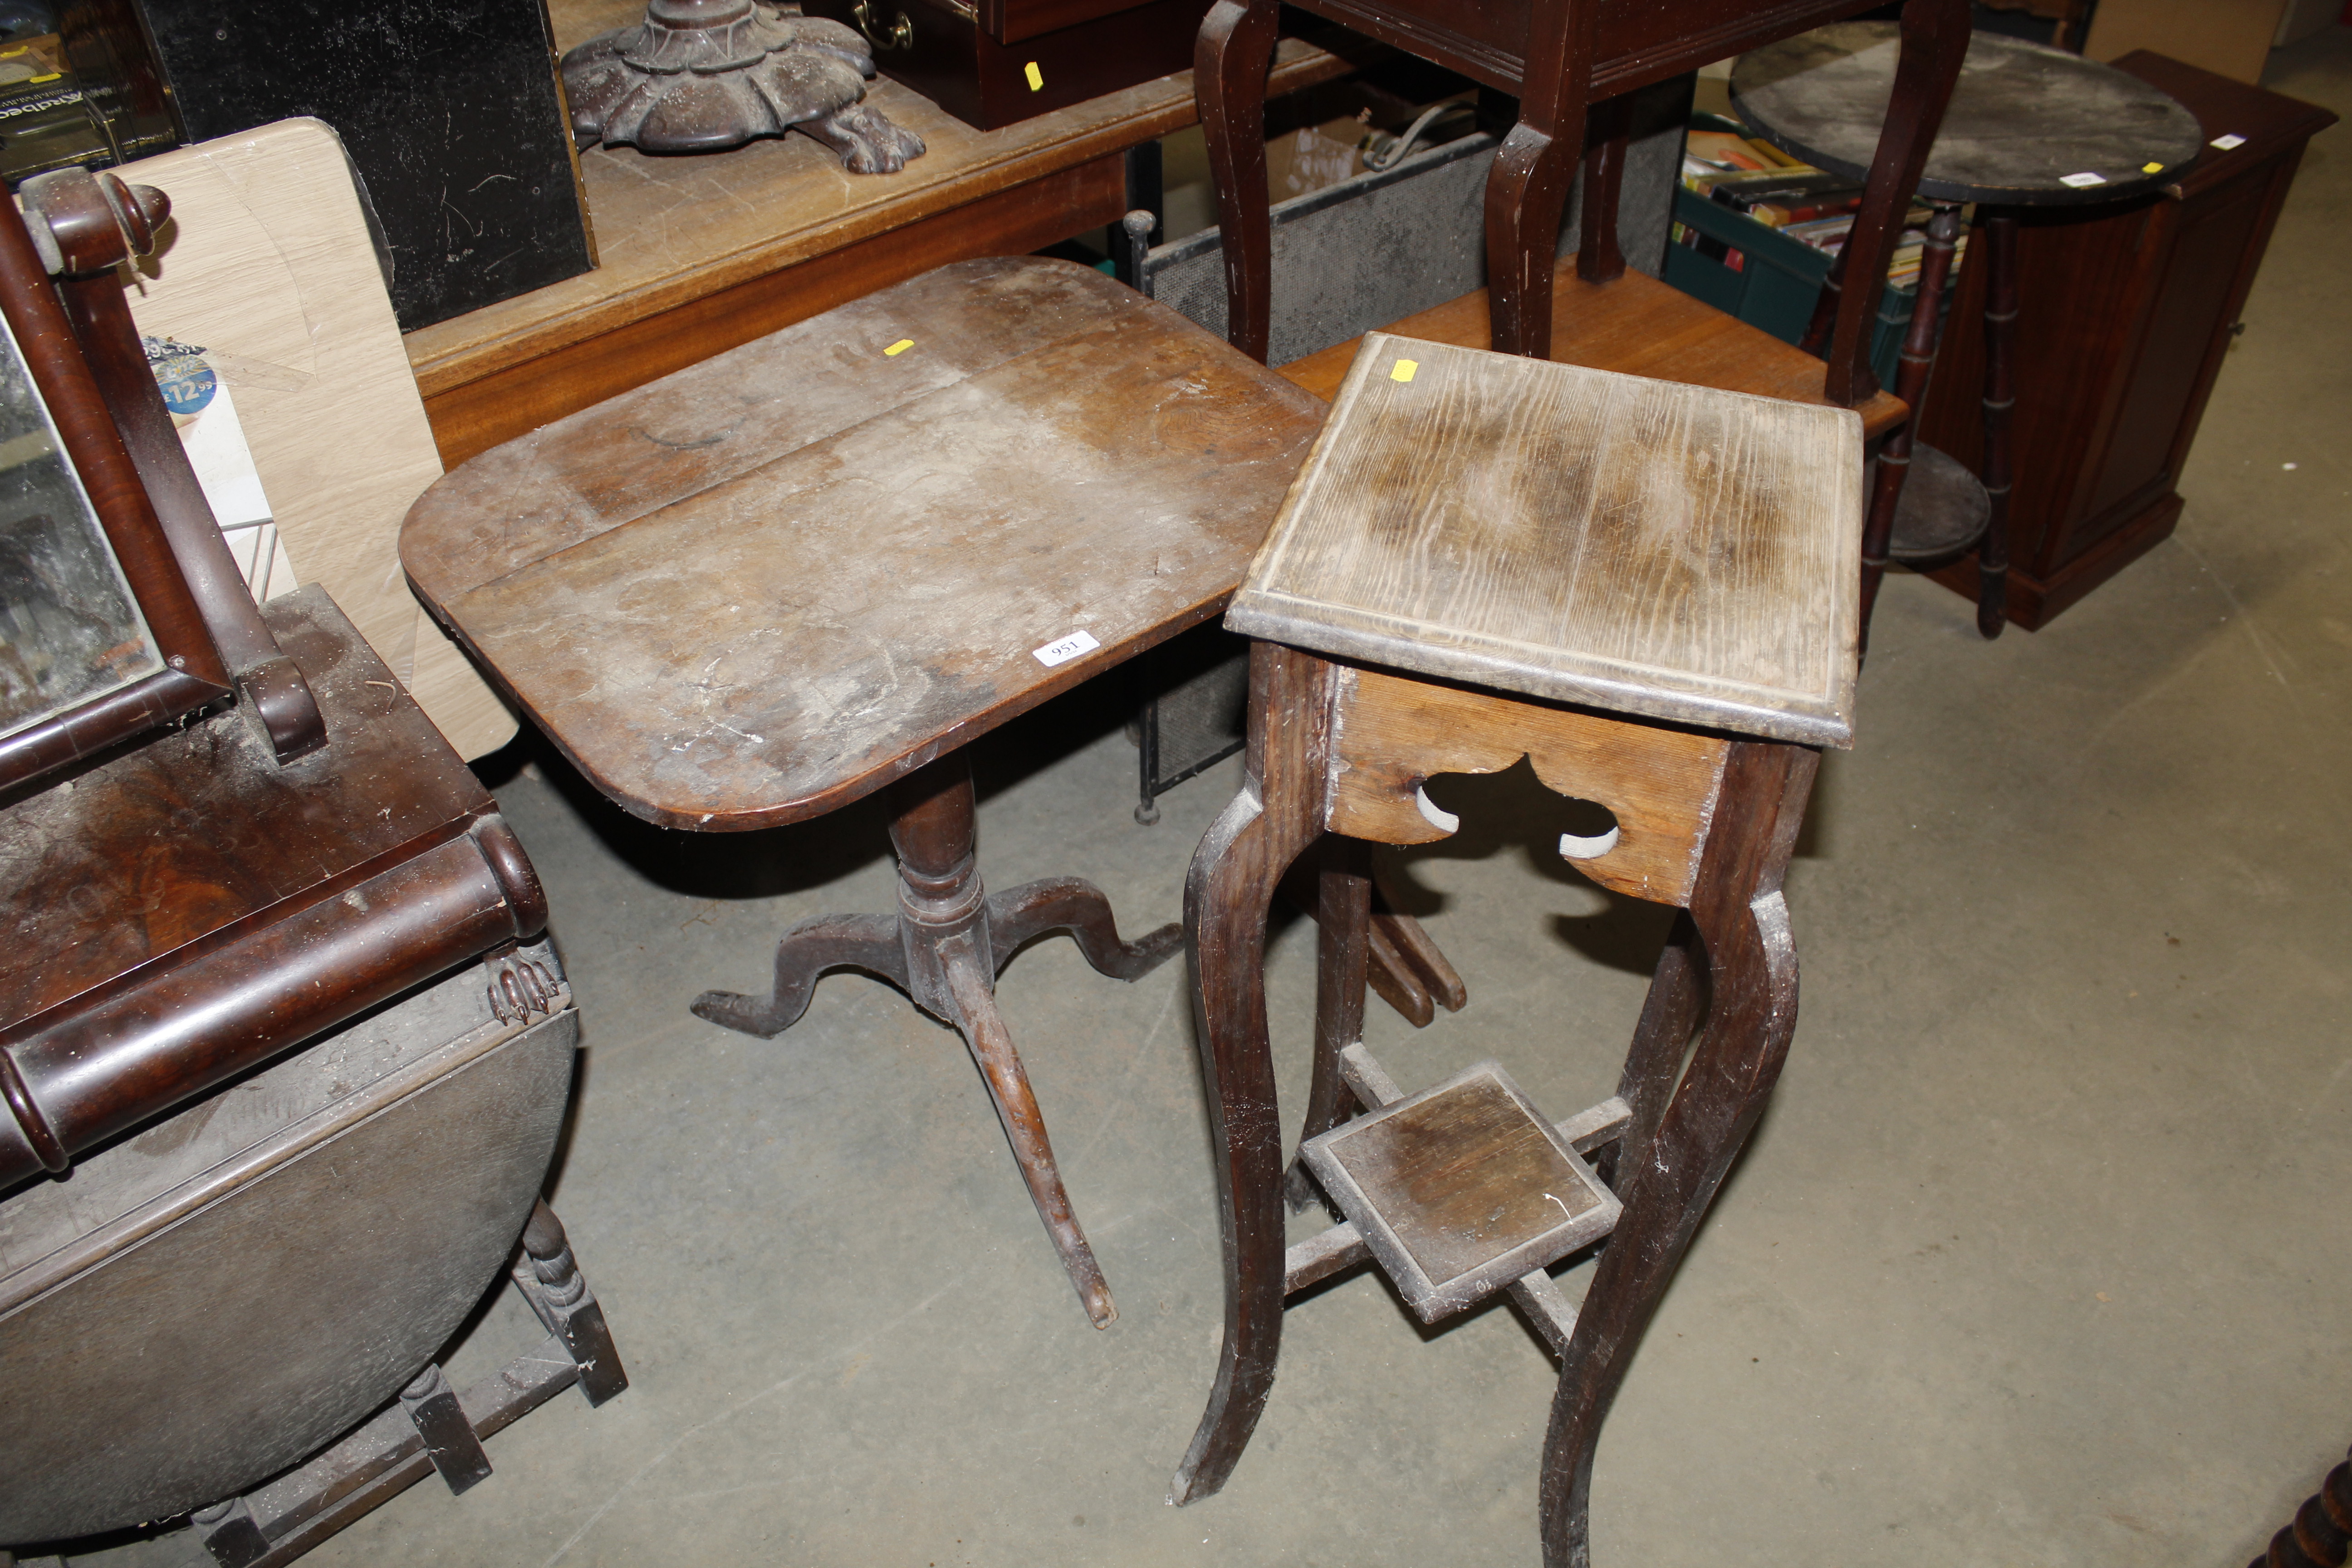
{"x": 2028, "y": 126}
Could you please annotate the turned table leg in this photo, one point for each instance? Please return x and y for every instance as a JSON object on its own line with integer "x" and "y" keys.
{"x": 1918, "y": 358}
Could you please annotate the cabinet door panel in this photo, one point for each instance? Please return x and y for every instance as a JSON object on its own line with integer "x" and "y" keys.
{"x": 2181, "y": 333}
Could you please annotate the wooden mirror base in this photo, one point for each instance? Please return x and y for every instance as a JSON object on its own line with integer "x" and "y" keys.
{"x": 703, "y": 76}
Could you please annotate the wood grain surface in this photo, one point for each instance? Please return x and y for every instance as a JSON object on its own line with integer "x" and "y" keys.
{"x": 267, "y": 264}
{"x": 1390, "y": 736}
{"x": 1659, "y": 550}
{"x": 1636, "y": 325}
{"x": 198, "y": 830}
{"x": 1462, "y": 1177}
{"x": 770, "y": 583}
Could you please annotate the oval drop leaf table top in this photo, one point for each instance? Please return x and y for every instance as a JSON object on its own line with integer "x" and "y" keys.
{"x": 2028, "y": 126}
{"x": 769, "y": 583}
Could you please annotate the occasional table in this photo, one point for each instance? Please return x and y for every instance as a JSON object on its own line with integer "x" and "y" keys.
{"x": 1644, "y": 590}
{"x": 818, "y": 566}
{"x": 2028, "y": 127}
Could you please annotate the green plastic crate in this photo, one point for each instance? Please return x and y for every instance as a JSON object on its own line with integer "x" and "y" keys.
{"x": 1778, "y": 282}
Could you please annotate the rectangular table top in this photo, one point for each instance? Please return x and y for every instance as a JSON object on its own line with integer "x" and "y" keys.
{"x": 765, "y": 586}
{"x": 1656, "y": 549}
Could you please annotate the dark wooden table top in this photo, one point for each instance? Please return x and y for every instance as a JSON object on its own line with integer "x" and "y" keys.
{"x": 1667, "y": 550}
{"x": 199, "y": 834}
{"x": 765, "y": 586}
{"x": 2028, "y": 126}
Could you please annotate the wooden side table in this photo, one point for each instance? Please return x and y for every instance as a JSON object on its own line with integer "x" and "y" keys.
{"x": 818, "y": 566}
{"x": 2029, "y": 129}
{"x": 2128, "y": 312}
{"x": 1646, "y": 590}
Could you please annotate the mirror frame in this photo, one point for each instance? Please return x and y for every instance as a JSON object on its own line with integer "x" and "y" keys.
{"x": 195, "y": 674}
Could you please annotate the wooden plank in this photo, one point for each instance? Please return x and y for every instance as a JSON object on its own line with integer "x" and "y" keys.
{"x": 1322, "y": 1255}
{"x": 1656, "y": 549}
{"x": 1636, "y": 325}
{"x": 1660, "y": 785}
{"x": 471, "y": 417}
{"x": 1460, "y": 1190}
{"x": 267, "y": 264}
{"x": 671, "y": 231}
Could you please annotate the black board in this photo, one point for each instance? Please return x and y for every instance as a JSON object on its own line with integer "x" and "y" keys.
{"x": 448, "y": 108}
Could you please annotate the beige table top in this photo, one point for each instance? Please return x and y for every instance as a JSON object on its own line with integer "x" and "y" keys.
{"x": 1674, "y": 551}
{"x": 673, "y": 230}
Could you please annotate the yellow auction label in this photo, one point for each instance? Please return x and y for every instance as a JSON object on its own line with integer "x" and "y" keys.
{"x": 1402, "y": 369}
{"x": 1037, "y": 78}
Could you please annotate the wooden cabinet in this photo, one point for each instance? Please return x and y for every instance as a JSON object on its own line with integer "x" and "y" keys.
{"x": 1001, "y": 61}
{"x": 2125, "y": 315}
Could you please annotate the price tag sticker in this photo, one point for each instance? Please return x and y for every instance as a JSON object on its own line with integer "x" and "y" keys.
{"x": 895, "y": 350}
{"x": 1402, "y": 369}
{"x": 2228, "y": 142}
{"x": 2151, "y": 168}
{"x": 1066, "y": 649}
{"x": 1037, "y": 78}
{"x": 2081, "y": 180}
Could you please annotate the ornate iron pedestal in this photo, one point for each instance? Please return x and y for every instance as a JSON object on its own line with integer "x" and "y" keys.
{"x": 703, "y": 76}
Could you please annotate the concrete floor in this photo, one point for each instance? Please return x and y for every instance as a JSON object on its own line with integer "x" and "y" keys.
{"x": 2042, "y": 1255}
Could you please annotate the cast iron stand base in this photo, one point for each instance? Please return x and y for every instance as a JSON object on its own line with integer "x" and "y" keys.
{"x": 703, "y": 76}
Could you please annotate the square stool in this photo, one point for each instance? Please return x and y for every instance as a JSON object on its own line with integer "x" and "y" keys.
{"x": 1646, "y": 590}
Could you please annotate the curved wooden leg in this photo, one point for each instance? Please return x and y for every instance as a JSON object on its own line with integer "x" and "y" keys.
{"x": 1277, "y": 814}
{"x": 1669, "y": 1012}
{"x": 810, "y": 950}
{"x": 1343, "y": 911}
{"x": 944, "y": 948}
{"x": 1935, "y": 42}
{"x": 1230, "y": 61}
{"x": 1670, "y": 1179}
{"x": 973, "y": 999}
{"x": 1074, "y": 905}
{"x": 1526, "y": 193}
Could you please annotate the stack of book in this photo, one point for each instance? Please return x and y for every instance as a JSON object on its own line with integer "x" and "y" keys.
{"x": 1811, "y": 205}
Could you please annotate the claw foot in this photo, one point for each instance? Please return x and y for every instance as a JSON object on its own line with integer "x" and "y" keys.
{"x": 519, "y": 987}
{"x": 867, "y": 143}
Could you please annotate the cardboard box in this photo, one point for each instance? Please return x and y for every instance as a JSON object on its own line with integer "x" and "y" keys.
{"x": 2228, "y": 38}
